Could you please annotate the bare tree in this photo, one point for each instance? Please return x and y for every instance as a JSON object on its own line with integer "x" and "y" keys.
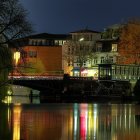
{"x": 13, "y": 21}
{"x": 13, "y": 24}
{"x": 78, "y": 52}
{"x": 129, "y": 45}
{"x": 112, "y": 32}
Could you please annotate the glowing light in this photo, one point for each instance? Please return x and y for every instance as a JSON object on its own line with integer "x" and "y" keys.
{"x": 95, "y": 120}
{"x": 9, "y": 92}
{"x": 81, "y": 39}
{"x": 16, "y": 57}
{"x": 90, "y": 120}
{"x": 75, "y": 120}
{"x": 93, "y": 72}
{"x": 9, "y": 117}
{"x": 84, "y": 71}
{"x": 16, "y": 122}
{"x": 7, "y": 100}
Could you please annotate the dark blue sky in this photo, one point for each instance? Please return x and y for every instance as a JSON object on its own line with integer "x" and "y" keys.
{"x": 64, "y": 16}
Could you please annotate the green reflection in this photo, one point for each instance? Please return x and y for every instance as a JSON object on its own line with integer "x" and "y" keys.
{"x": 5, "y": 122}
{"x": 5, "y": 68}
{"x": 3, "y": 92}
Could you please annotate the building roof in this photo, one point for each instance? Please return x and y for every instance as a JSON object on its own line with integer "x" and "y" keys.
{"x": 24, "y": 41}
{"x": 85, "y": 31}
{"x": 108, "y": 40}
{"x": 48, "y": 36}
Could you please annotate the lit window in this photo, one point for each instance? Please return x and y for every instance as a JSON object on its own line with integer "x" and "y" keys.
{"x": 56, "y": 42}
{"x": 64, "y": 41}
{"x": 60, "y": 42}
{"x": 114, "y": 47}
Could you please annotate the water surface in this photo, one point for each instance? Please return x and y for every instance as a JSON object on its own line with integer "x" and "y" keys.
{"x": 62, "y": 121}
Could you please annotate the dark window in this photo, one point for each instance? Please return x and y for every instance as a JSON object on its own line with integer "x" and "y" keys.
{"x": 102, "y": 59}
{"x": 24, "y": 54}
{"x": 32, "y": 53}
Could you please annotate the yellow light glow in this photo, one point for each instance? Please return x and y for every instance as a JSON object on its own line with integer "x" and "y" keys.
{"x": 93, "y": 72}
{"x": 68, "y": 70}
{"x": 81, "y": 39}
{"x": 16, "y": 122}
{"x": 7, "y": 100}
{"x": 16, "y": 57}
{"x": 9, "y": 117}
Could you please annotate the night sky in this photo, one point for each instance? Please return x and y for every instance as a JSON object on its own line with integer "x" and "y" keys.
{"x": 64, "y": 16}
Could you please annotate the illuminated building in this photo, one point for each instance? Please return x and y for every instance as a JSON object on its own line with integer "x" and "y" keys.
{"x": 39, "y": 54}
{"x": 56, "y": 54}
{"x": 79, "y": 53}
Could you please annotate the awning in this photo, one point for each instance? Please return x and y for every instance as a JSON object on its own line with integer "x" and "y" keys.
{"x": 76, "y": 69}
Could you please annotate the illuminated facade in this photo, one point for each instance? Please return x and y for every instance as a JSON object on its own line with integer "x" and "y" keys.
{"x": 79, "y": 53}
{"x": 106, "y": 51}
{"x": 39, "y": 54}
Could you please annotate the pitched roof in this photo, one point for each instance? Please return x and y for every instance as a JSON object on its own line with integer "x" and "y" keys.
{"x": 48, "y": 36}
{"x": 24, "y": 41}
{"x": 85, "y": 31}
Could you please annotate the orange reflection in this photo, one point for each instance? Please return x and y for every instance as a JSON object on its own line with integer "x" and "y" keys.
{"x": 78, "y": 121}
{"x": 16, "y": 122}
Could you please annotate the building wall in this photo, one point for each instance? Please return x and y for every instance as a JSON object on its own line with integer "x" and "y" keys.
{"x": 47, "y": 59}
{"x": 83, "y": 38}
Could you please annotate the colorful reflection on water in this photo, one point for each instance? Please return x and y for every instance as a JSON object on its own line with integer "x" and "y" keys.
{"x": 70, "y": 122}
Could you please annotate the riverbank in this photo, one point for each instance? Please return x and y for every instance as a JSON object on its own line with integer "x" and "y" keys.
{"x": 81, "y": 90}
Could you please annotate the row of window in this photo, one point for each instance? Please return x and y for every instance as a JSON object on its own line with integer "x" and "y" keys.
{"x": 95, "y": 61}
{"x": 43, "y": 42}
{"x": 113, "y": 49}
{"x": 71, "y": 49}
{"x": 32, "y": 54}
{"x": 79, "y": 48}
{"x": 88, "y": 37}
{"x": 126, "y": 70}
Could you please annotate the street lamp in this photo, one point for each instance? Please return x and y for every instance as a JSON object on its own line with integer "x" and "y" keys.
{"x": 81, "y": 39}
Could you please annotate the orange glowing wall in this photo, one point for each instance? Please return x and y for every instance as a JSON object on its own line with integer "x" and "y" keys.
{"x": 51, "y": 57}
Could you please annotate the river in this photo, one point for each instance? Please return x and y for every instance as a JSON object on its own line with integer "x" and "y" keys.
{"x": 23, "y": 120}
